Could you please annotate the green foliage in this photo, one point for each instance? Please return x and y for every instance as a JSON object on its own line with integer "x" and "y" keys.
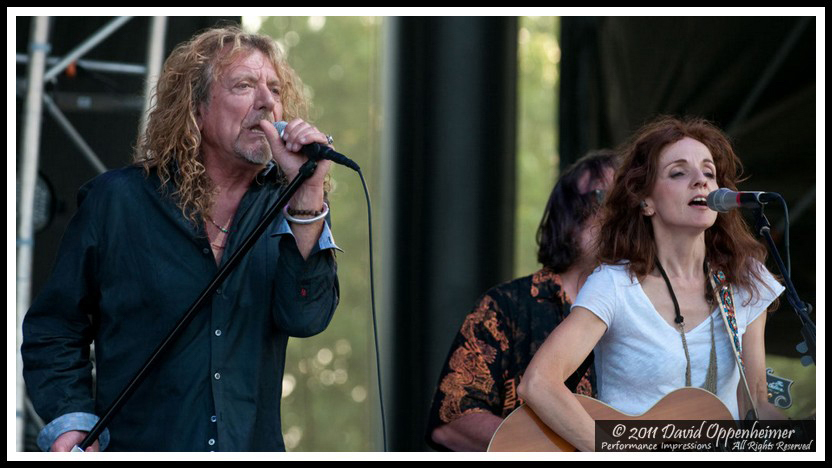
{"x": 537, "y": 158}
{"x": 330, "y": 392}
{"x": 330, "y": 399}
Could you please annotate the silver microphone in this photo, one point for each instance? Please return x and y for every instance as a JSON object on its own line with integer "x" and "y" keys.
{"x": 724, "y": 200}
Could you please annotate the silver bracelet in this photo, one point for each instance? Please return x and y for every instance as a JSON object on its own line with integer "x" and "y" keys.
{"x": 292, "y": 219}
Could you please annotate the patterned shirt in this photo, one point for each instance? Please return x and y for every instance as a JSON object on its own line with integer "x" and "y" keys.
{"x": 495, "y": 345}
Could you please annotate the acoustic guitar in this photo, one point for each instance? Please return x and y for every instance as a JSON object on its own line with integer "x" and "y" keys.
{"x": 523, "y": 431}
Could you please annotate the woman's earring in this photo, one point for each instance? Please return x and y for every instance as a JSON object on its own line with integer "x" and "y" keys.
{"x": 644, "y": 209}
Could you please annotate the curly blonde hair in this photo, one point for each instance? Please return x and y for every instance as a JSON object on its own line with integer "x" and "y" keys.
{"x": 170, "y": 144}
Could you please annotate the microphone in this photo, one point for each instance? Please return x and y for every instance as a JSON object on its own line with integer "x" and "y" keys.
{"x": 317, "y": 151}
{"x": 724, "y": 199}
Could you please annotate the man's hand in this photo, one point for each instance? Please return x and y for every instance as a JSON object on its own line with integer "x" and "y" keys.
{"x": 310, "y": 195}
{"x": 297, "y": 134}
{"x": 67, "y": 440}
{"x": 469, "y": 433}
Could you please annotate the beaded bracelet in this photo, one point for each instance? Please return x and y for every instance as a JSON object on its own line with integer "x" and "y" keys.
{"x": 317, "y": 218}
{"x": 294, "y": 212}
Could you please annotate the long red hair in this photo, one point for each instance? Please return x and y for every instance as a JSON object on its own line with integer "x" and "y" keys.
{"x": 627, "y": 235}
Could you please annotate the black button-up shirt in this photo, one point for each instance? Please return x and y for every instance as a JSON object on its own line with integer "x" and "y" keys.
{"x": 129, "y": 266}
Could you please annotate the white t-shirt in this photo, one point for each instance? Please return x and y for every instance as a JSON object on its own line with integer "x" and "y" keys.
{"x": 640, "y": 358}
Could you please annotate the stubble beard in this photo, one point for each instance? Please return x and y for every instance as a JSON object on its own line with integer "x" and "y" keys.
{"x": 259, "y": 155}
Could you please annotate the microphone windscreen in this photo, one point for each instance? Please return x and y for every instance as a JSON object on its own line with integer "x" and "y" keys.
{"x": 281, "y": 127}
{"x": 717, "y": 200}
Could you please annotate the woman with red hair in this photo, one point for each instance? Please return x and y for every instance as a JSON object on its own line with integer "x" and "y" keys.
{"x": 649, "y": 310}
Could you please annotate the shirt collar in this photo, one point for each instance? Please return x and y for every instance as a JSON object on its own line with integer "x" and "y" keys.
{"x": 270, "y": 173}
{"x": 546, "y": 285}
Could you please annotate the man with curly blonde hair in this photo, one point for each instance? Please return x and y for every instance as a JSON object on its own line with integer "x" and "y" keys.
{"x": 147, "y": 238}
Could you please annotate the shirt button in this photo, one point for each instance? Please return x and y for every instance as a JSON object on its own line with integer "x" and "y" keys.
{"x": 213, "y": 419}
{"x": 218, "y": 332}
{"x": 211, "y": 442}
{"x": 217, "y": 376}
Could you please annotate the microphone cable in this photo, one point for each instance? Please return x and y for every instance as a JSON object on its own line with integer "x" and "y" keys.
{"x": 316, "y": 151}
{"x": 373, "y": 307}
{"x": 786, "y": 234}
{"x": 785, "y": 230}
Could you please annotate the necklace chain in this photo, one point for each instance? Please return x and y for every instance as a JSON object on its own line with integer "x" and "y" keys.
{"x": 710, "y": 380}
{"x": 224, "y": 230}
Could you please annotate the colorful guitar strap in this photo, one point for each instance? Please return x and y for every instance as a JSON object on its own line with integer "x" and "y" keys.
{"x": 724, "y": 294}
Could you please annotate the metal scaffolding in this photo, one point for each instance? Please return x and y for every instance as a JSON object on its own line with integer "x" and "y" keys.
{"x": 35, "y": 101}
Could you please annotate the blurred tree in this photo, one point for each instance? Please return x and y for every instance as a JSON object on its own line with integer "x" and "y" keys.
{"x": 329, "y": 393}
{"x": 537, "y": 161}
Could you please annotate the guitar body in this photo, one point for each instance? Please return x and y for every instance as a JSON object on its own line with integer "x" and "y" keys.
{"x": 523, "y": 431}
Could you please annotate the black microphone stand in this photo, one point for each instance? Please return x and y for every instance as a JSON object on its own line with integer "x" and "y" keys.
{"x": 801, "y": 308}
{"x": 305, "y": 172}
